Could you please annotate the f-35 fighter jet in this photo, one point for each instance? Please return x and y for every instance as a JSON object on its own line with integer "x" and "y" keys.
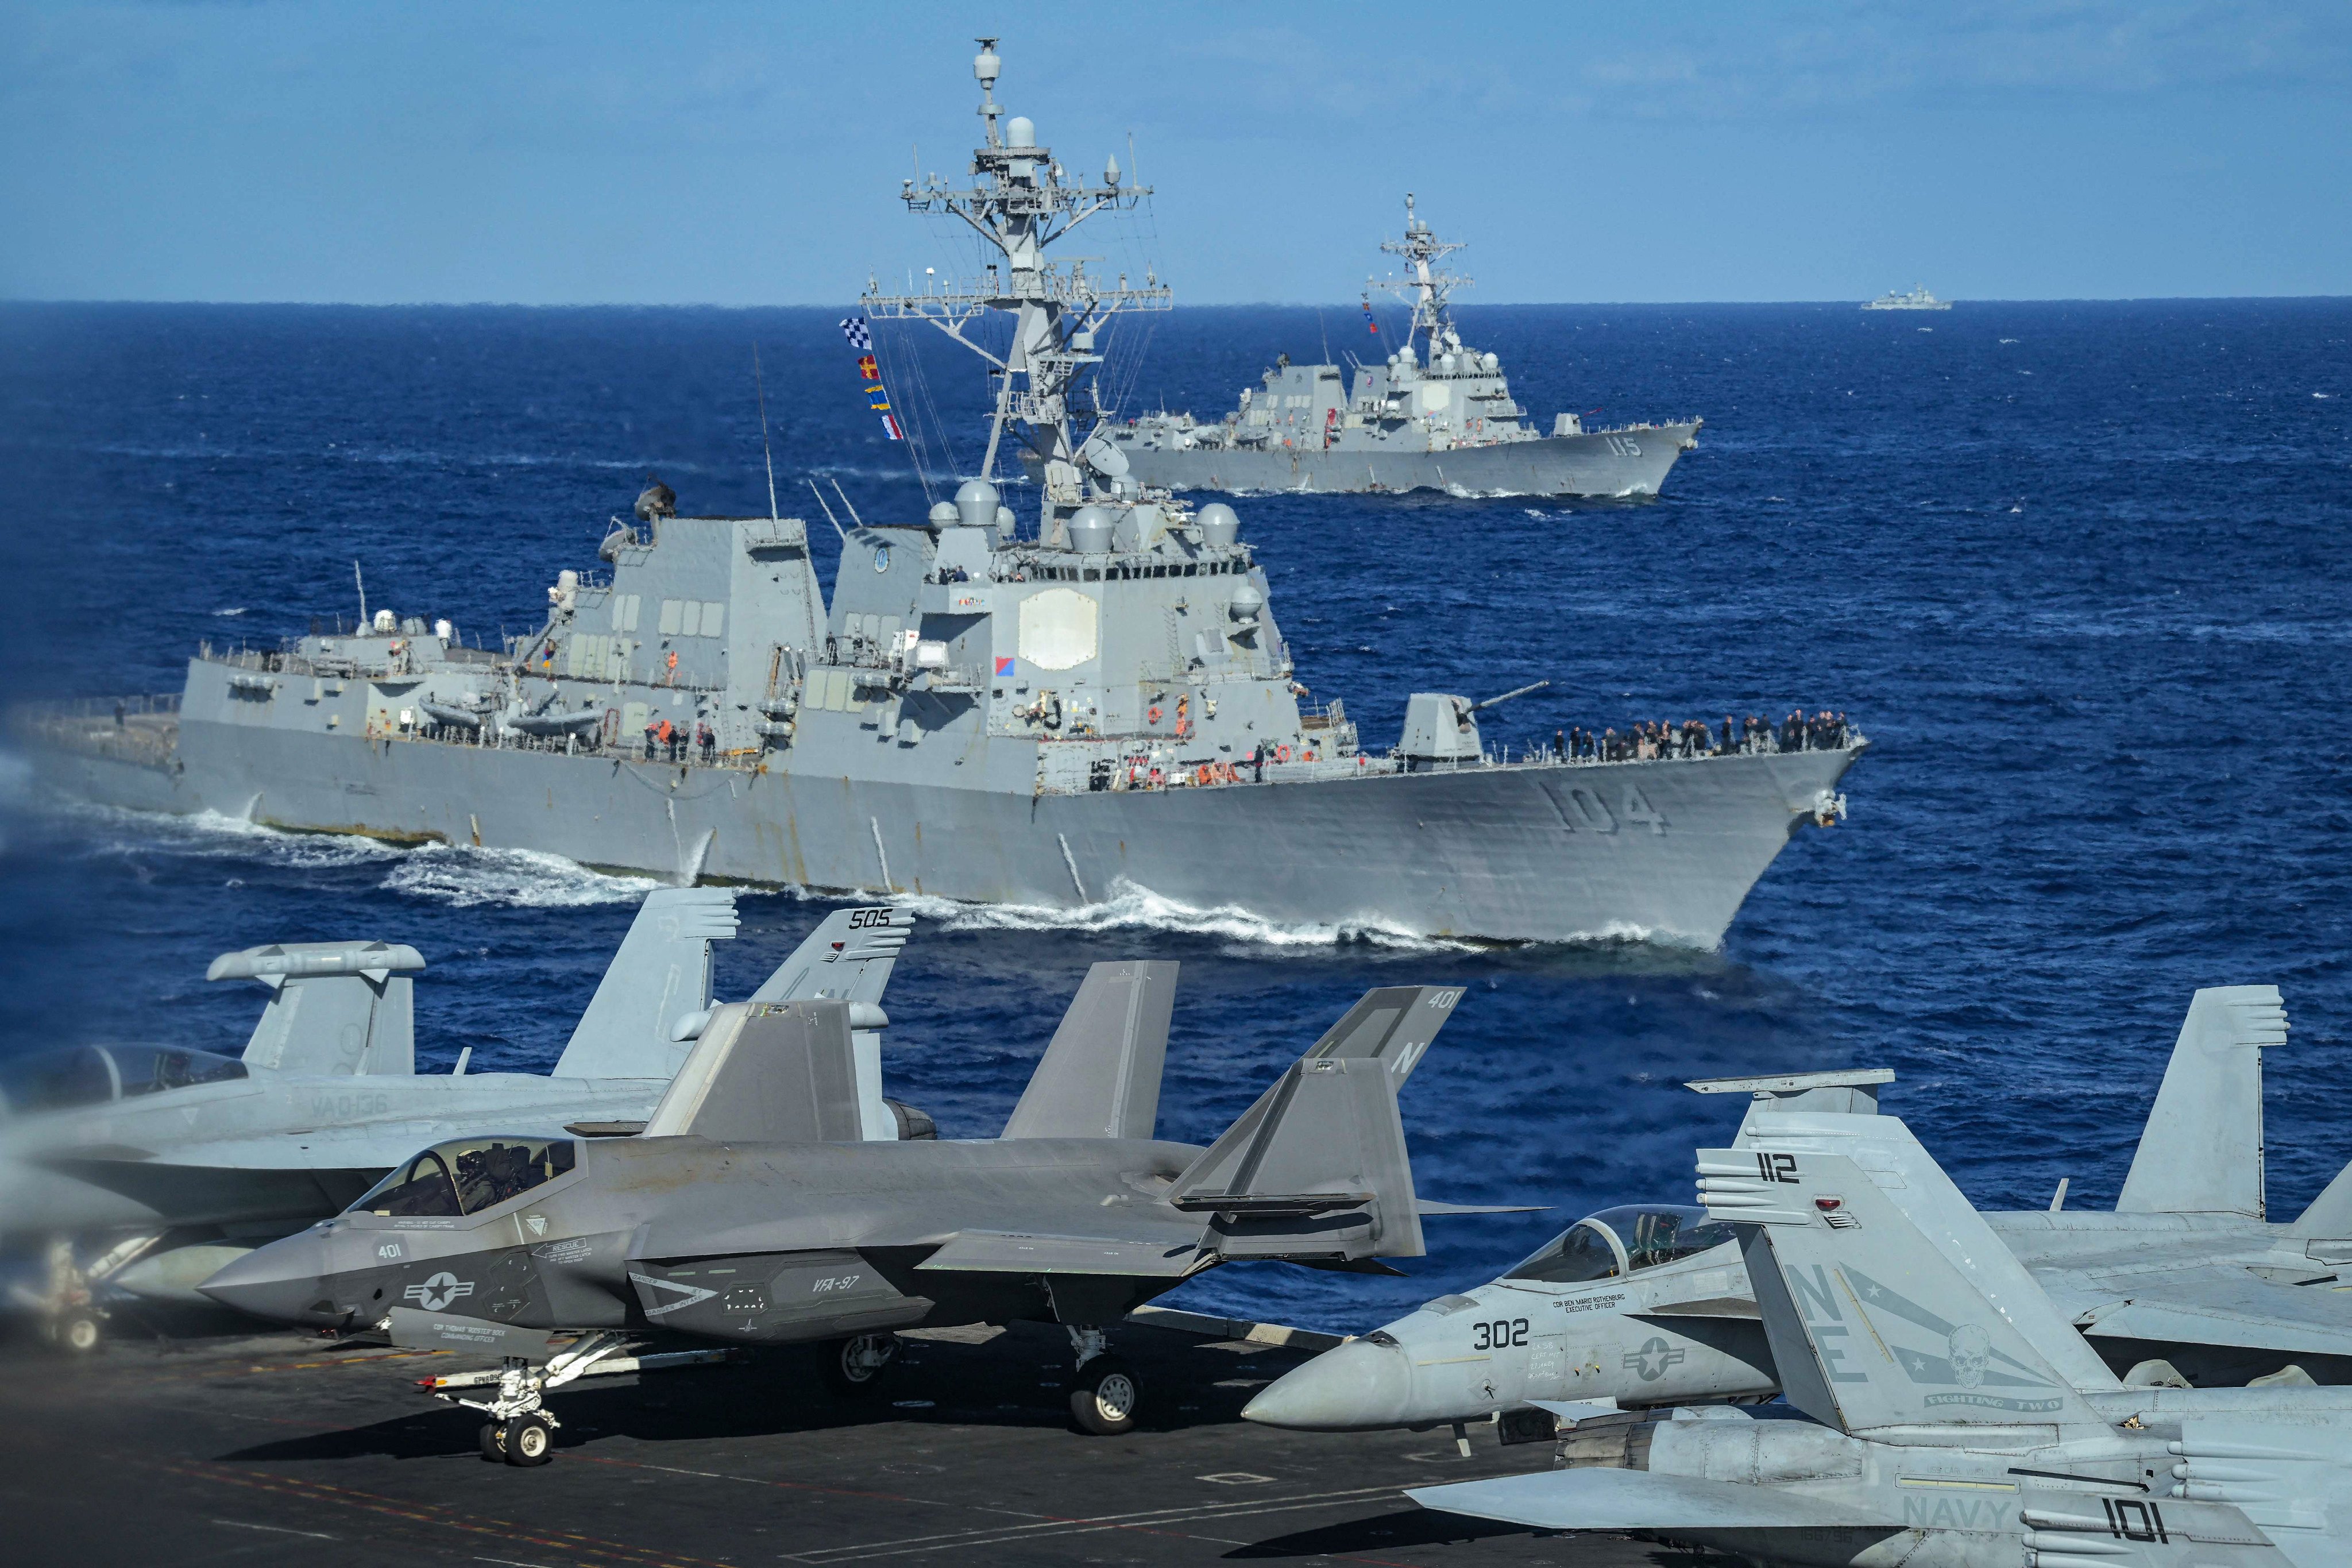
{"x": 748, "y": 1211}
{"x": 146, "y": 1168}
{"x": 1956, "y": 1416}
{"x": 1650, "y": 1304}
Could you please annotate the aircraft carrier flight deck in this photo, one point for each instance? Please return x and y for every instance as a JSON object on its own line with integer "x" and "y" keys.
{"x": 236, "y": 1447}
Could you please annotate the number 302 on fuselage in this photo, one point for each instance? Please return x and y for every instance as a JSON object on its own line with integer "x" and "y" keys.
{"x": 1646, "y": 1304}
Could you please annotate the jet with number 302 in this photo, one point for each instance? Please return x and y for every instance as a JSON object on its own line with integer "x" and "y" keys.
{"x": 2186, "y": 1281}
{"x": 1950, "y": 1414}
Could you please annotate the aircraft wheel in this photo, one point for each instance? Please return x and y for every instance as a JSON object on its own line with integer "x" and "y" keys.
{"x": 1104, "y": 1397}
{"x": 493, "y": 1441}
{"x": 855, "y": 1366}
{"x": 528, "y": 1441}
{"x": 77, "y": 1333}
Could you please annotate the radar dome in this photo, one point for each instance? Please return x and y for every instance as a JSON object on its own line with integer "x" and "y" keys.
{"x": 1489, "y": 363}
{"x": 1446, "y": 363}
{"x": 975, "y": 503}
{"x": 1246, "y": 603}
{"x": 1019, "y": 132}
{"x": 1091, "y": 529}
{"x": 944, "y": 515}
{"x": 1219, "y": 526}
{"x": 1404, "y": 354}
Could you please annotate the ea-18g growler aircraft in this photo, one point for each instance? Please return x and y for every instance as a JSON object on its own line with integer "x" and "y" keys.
{"x": 1956, "y": 1416}
{"x": 145, "y": 1168}
{"x": 2186, "y": 1281}
{"x": 747, "y": 1212}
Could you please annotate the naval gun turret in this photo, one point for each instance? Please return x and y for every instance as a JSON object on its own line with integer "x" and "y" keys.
{"x": 1442, "y": 730}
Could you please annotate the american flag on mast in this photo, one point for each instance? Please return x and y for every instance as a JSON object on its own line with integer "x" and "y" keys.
{"x": 861, "y": 344}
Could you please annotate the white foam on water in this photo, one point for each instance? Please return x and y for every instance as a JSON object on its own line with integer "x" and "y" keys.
{"x": 1131, "y": 907}
{"x": 210, "y": 834}
{"x": 465, "y": 877}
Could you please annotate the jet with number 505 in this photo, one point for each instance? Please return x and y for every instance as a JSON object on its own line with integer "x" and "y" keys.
{"x": 2186, "y": 1281}
{"x": 145, "y": 1168}
{"x": 746, "y": 1211}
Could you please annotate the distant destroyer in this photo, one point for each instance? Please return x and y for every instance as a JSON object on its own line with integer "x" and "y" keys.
{"x": 1919, "y": 298}
{"x": 1437, "y": 417}
{"x": 980, "y": 713}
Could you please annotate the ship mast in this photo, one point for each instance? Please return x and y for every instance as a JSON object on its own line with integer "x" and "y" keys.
{"x": 1430, "y": 288}
{"x": 1020, "y": 202}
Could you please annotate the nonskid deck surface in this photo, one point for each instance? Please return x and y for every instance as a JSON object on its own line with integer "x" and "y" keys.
{"x": 273, "y": 1448}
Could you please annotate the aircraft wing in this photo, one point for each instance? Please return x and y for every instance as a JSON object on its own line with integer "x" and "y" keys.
{"x": 1012, "y": 1252}
{"x": 2304, "y": 1319}
{"x": 1587, "y": 1498}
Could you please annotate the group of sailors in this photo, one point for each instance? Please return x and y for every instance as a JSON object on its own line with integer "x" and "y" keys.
{"x": 1799, "y": 732}
{"x": 673, "y": 741}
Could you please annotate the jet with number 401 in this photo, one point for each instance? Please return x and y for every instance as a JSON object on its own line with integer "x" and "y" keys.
{"x": 145, "y": 1168}
{"x": 1954, "y": 1416}
{"x": 2186, "y": 1281}
{"x": 747, "y": 1212}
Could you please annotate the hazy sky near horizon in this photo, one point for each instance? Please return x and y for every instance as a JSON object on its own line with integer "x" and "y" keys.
{"x": 741, "y": 153}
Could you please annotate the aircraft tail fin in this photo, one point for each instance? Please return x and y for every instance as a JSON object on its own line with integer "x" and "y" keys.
{"x": 1318, "y": 1166}
{"x": 2330, "y": 1213}
{"x": 767, "y": 1072}
{"x": 848, "y": 957}
{"x": 335, "y": 1007}
{"x": 2201, "y": 1152}
{"x": 659, "y": 977}
{"x": 1100, "y": 1077}
{"x": 1871, "y": 1320}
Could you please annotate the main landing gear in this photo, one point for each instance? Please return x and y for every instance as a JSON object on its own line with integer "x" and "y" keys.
{"x": 1103, "y": 1391}
{"x": 855, "y": 1367}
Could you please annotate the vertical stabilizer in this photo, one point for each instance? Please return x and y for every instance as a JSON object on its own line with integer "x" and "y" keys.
{"x": 2201, "y": 1152}
{"x": 1391, "y": 1024}
{"x": 766, "y": 1072}
{"x": 1320, "y": 1156}
{"x": 849, "y": 958}
{"x": 1099, "y": 1078}
{"x": 1871, "y": 1321}
{"x": 660, "y": 976}
{"x": 334, "y": 1008}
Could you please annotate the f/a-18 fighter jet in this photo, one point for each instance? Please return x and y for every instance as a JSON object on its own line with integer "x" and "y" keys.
{"x": 747, "y": 1212}
{"x": 146, "y": 1168}
{"x": 1956, "y": 1416}
{"x": 2186, "y": 1281}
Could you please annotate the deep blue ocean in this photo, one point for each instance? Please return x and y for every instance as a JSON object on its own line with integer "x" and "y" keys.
{"x": 2081, "y": 571}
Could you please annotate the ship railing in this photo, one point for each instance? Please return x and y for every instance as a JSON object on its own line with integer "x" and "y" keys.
{"x": 1135, "y": 770}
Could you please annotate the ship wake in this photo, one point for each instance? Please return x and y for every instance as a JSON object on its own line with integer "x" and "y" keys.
{"x": 1136, "y": 908}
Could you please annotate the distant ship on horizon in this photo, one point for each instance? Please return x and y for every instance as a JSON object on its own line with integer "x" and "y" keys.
{"x": 1917, "y": 300}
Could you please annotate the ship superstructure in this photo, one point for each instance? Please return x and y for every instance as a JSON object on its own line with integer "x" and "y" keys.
{"x": 1437, "y": 413}
{"x": 983, "y": 710}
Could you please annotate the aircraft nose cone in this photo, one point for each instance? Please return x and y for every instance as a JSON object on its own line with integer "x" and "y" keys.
{"x": 1350, "y": 1387}
{"x": 280, "y": 1282}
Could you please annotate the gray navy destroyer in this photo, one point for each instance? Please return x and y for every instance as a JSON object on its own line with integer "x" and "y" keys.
{"x": 980, "y": 713}
{"x": 1437, "y": 418}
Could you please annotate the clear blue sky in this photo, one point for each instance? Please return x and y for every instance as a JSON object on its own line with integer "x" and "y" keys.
{"x": 738, "y": 153}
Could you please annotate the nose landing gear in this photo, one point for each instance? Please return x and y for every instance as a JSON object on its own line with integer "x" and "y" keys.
{"x": 520, "y": 1430}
